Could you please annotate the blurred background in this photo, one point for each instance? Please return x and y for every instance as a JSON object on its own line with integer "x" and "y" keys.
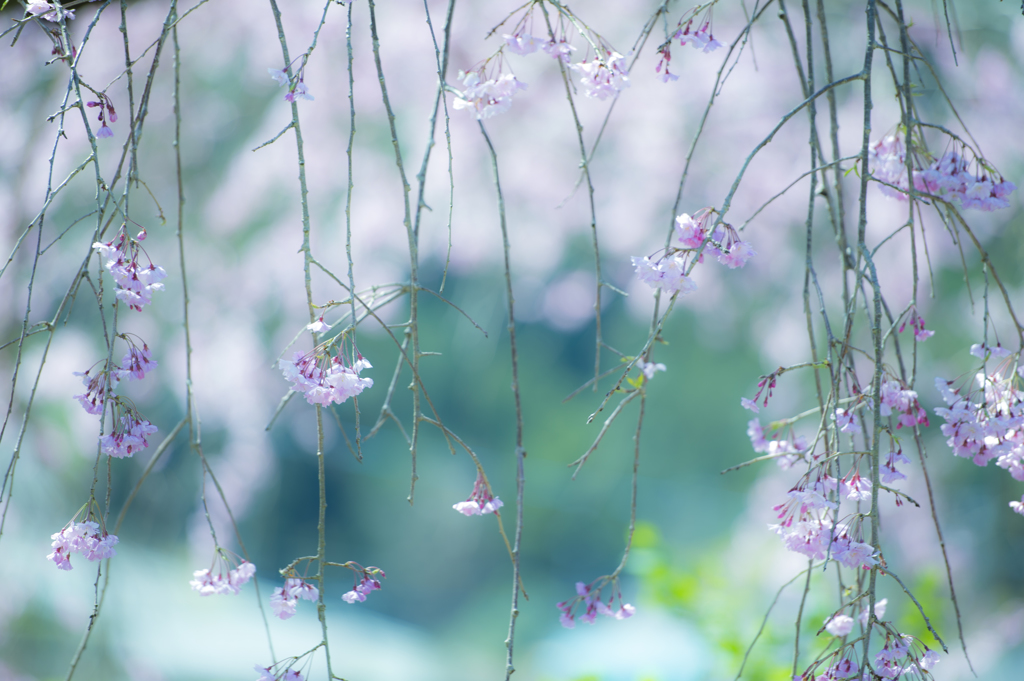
{"x": 704, "y": 569}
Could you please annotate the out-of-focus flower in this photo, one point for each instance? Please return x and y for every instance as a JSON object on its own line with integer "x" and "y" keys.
{"x": 487, "y": 97}
{"x": 649, "y": 368}
{"x": 523, "y": 43}
{"x": 840, "y": 625}
{"x": 667, "y": 273}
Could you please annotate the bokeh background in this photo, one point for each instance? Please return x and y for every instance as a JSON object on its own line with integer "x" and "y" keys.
{"x": 704, "y": 568}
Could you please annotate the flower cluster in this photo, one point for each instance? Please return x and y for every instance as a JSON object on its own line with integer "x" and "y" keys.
{"x": 49, "y": 12}
{"x": 130, "y": 431}
{"x": 785, "y": 452}
{"x": 106, "y": 108}
{"x": 84, "y": 538}
{"x": 948, "y": 177}
{"x": 699, "y": 39}
{"x": 897, "y": 399}
{"x": 296, "y": 90}
{"x": 135, "y": 282}
{"x": 603, "y": 77}
{"x": 987, "y": 423}
{"x": 481, "y": 501}
{"x": 841, "y": 625}
{"x": 96, "y": 389}
{"x": 208, "y": 584}
{"x": 806, "y": 527}
{"x": 137, "y": 362}
{"x": 696, "y": 234}
{"x": 590, "y": 601}
{"x": 487, "y": 97}
{"x": 324, "y": 379}
{"x": 916, "y": 322}
{"x": 284, "y": 599}
{"x": 366, "y": 583}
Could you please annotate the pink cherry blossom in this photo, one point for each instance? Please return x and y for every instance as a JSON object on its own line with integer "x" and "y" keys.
{"x": 324, "y": 379}
{"x": 137, "y": 363}
{"x": 487, "y": 97}
{"x": 481, "y": 501}
{"x": 840, "y": 625}
{"x": 365, "y": 587}
{"x": 523, "y": 43}
{"x": 136, "y": 283}
{"x": 648, "y": 369}
{"x": 603, "y": 78}
{"x": 208, "y": 584}
{"x": 668, "y": 273}
{"x": 84, "y": 538}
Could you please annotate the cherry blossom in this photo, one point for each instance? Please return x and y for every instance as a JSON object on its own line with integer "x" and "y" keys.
{"x": 590, "y": 600}
{"x": 603, "y": 77}
{"x": 208, "y": 584}
{"x": 136, "y": 283}
{"x": 366, "y": 583}
{"x": 106, "y": 110}
{"x": 284, "y": 599}
{"x": 129, "y": 436}
{"x": 487, "y": 97}
{"x": 137, "y": 363}
{"x": 96, "y": 386}
{"x": 481, "y": 501}
{"x": 668, "y": 273}
{"x": 846, "y": 421}
{"x": 700, "y": 39}
{"x": 523, "y": 43}
{"x": 648, "y": 369}
{"x": 84, "y": 538}
{"x": 559, "y": 49}
{"x": 296, "y": 89}
{"x": 840, "y": 625}
{"x": 324, "y": 379}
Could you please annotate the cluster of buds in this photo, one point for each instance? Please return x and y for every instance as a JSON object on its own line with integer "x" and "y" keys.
{"x": 84, "y": 538}
{"x": 916, "y": 322}
{"x": 589, "y": 600}
{"x": 106, "y": 108}
{"x": 481, "y": 501}
{"x": 365, "y": 584}
{"x": 207, "y": 583}
{"x": 268, "y": 674}
{"x": 325, "y": 379}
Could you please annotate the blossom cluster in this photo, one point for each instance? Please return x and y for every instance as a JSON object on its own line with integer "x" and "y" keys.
{"x": 129, "y": 433}
{"x": 948, "y": 177}
{"x": 696, "y": 234}
{"x": 106, "y": 110}
{"x": 603, "y": 77}
{"x": 136, "y": 283}
{"x": 84, "y": 538}
{"x": 806, "y": 526}
{"x": 481, "y": 501}
{"x": 324, "y": 379}
{"x": 987, "y": 423}
{"x": 366, "y": 583}
{"x": 208, "y": 584}
{"x": 590, "y": 601}
{"x": 487, "y": 97}
{"x": 284, "y": 599}
{"x": 296, "y": 89}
